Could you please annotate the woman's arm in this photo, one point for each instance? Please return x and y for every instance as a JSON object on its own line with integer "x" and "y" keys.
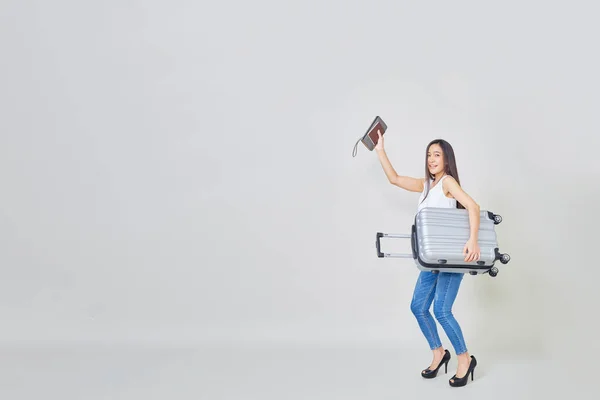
{"x": 471, "y": 248}
{"x": 404, "y": 182}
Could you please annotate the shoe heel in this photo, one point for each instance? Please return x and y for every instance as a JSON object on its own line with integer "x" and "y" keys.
{"x": 456, "y": 382}
{"x": 433, "y": 372}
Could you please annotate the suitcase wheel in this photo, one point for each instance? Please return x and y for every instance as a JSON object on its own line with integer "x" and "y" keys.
{"x": 505, "y": 258}
{"x": 495, "y": 217}
{"x": 493, "y": 271}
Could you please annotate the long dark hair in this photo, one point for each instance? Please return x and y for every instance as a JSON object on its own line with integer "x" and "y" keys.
{"x": 449, "y": 165}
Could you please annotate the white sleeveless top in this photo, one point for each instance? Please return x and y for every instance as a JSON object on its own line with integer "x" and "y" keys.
{"x": 436, "y": 197}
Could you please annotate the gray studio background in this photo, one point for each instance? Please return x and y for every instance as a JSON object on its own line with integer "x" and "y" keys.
{"x": 181, "y": 173}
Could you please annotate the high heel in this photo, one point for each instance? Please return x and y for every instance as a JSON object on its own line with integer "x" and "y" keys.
{"x": 463, "y": 381}
{"x": 432, "y": 373}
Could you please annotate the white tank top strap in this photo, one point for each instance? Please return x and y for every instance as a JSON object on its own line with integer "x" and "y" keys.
{"x": 440, "y": 181}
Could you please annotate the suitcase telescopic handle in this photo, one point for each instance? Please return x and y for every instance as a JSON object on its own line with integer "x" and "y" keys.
{"x": 378, "y": 244}
{"x": 391, "y": 235}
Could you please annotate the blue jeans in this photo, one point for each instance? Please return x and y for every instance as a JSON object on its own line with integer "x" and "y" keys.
{"x": 441, "y": 289}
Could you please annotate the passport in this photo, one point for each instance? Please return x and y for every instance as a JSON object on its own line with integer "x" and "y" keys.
{"x": 370, "y": 138}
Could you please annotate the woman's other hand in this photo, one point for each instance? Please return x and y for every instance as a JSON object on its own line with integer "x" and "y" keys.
{"x": 471, "y": 251}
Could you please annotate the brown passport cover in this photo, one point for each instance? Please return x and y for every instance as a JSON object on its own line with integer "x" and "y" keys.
{"x": 373, "y": 133}
{"x": 377, "y": 124}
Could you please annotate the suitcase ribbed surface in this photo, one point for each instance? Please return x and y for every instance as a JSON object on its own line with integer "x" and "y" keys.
{"x": 443, "y": 232}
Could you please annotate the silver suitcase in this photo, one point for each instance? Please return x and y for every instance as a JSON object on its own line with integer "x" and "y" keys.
{"x": 439, "y": 235}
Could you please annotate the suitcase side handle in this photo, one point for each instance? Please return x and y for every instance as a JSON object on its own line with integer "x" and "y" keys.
{"x": 413, "y": 242}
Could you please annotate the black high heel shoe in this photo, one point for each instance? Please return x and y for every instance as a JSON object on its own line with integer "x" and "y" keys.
{"x": 432, "y": 373}
{"x": 463, "y": 381}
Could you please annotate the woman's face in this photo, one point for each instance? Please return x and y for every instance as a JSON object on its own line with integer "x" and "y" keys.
{"x": 435, "y": 159}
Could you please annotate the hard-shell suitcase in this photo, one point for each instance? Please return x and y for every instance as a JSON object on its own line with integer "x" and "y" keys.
{"x": 438, "y": 238}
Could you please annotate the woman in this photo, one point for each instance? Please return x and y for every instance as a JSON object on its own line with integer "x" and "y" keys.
{"x": 440, "y": 189}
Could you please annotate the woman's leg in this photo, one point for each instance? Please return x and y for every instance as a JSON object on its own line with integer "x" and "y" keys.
{"x": 445, "y": 294}
{"x": 423, "y": 295}
{"x": 447, "y": 288}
